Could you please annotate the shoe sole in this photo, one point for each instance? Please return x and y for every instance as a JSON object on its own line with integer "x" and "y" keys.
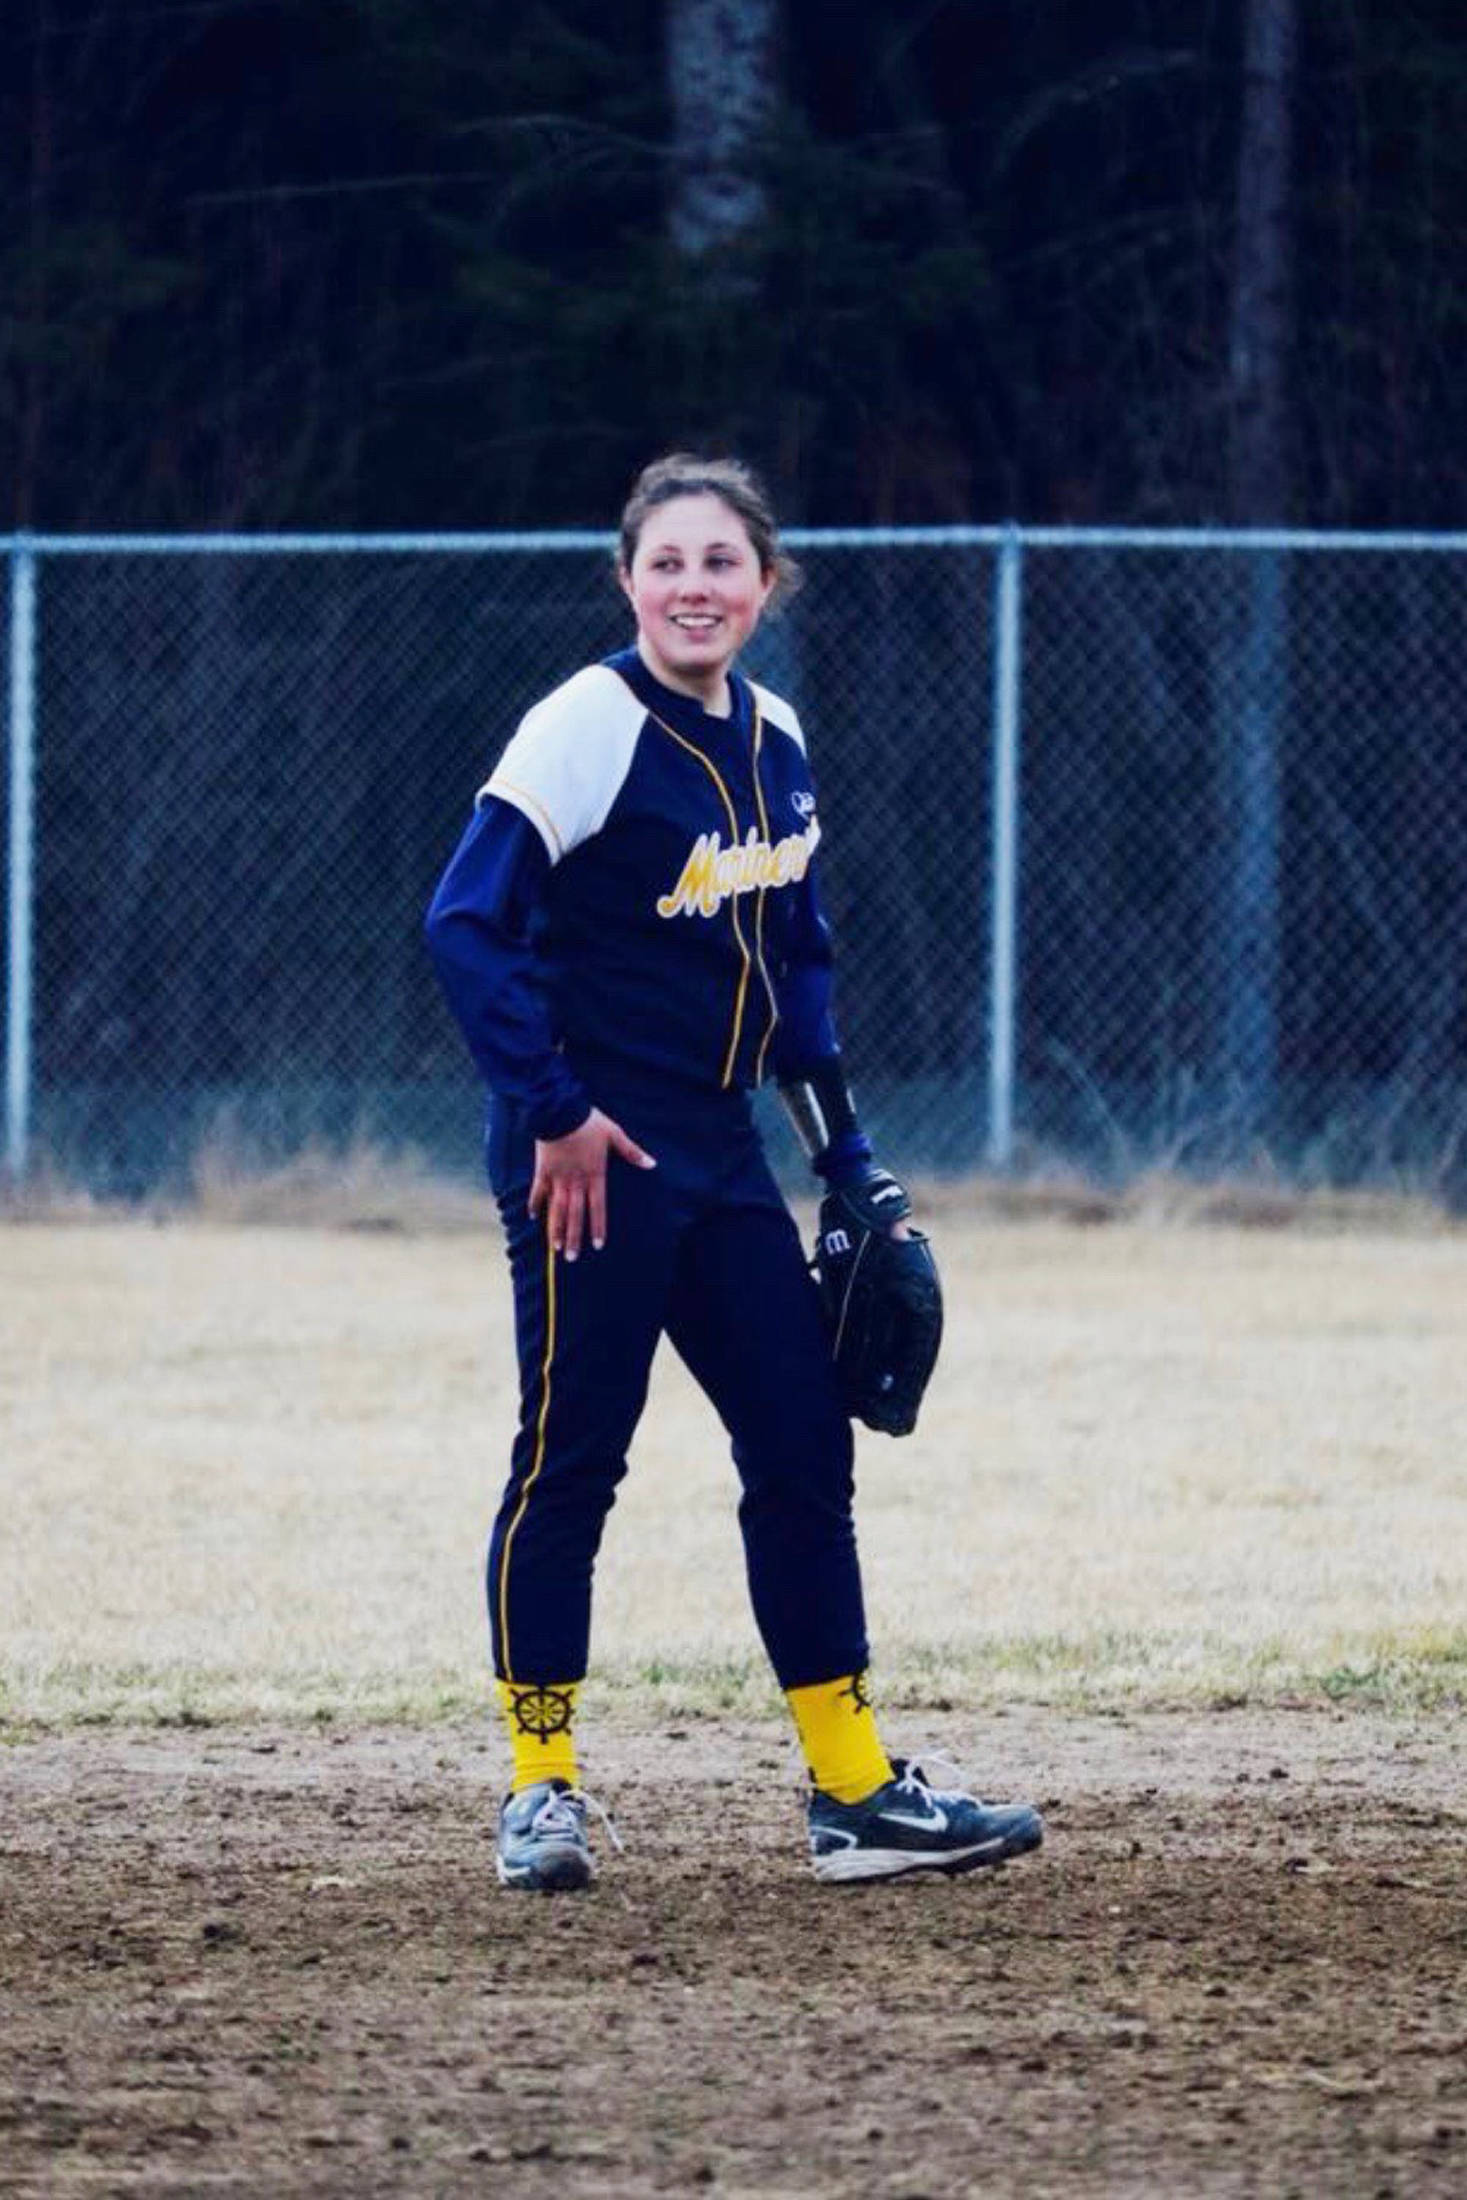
{"x": 555, "y": 1874}
{"x": 846, "y": 1866}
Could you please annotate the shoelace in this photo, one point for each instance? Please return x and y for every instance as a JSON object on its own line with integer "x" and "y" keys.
{"x": 912, "y": 1774}
{"x": 914, "y": 1777}
{"x": 557, "y": 1814}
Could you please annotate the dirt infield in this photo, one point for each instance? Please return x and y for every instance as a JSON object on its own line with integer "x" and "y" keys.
{"x": 249, "y": 1934}
{"x": 274, "y": 1960}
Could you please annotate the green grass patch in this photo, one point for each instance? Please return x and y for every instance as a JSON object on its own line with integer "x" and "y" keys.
{"x": 1420, "y": 1671}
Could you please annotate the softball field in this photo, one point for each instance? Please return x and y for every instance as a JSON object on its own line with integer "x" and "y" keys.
{"x": 1179, "y": 1552}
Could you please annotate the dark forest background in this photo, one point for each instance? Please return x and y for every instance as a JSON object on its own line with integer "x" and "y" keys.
{"x": 412, "y": 263}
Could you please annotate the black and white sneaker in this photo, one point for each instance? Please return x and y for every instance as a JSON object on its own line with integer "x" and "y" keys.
{"x": 544, "y": 1841}
{"x": 911, "y": 1826}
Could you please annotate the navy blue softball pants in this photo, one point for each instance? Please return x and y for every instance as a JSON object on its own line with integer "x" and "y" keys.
{"x": 703, "y": 1249}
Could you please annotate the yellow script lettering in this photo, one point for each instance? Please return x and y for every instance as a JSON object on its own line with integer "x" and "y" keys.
{"x": 713, "y": 872}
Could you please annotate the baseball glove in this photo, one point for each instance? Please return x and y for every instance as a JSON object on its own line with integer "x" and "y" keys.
{"x": 883, "y": 1300}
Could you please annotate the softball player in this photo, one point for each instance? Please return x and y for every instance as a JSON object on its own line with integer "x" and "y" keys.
{"x": 630, "y": 937}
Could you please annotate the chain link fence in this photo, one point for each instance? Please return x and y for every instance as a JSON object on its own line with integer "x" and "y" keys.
{"x": 1141, "y": 850}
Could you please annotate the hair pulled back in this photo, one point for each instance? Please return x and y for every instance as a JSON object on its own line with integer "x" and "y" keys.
{"x": 686, "y": 474}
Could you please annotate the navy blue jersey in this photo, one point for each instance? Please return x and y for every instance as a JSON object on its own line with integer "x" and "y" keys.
{"x": 658, "y": 921}
{"x": 630, "y": 922}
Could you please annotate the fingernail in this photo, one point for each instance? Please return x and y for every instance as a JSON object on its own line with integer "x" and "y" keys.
{"x": 596, "y": 1244}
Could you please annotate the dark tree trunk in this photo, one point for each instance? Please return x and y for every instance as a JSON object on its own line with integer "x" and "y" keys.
{"x": 1261, "y": 333}
{"x": 1255, "y": 719}
{"x": 35, "y": 309}
{"x": 721, "y": 73}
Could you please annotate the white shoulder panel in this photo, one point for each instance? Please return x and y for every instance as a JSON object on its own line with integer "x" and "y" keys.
{"x": 566, "y": 761}
{"x": 777, "y": 712}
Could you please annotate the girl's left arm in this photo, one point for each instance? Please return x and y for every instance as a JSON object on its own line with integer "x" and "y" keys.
{"x": 805, "y": 1051}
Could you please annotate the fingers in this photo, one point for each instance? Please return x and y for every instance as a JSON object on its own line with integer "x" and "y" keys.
{"x": 596, "y": 1211}
{"x": 561, "y": 1200}
{"x": 568, "y": 1215}
{"x": 628, "y": 1147}
{"x": 569, "y": 1187}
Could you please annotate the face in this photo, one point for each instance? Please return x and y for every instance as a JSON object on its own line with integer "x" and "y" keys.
{"x": 696, "y": 586}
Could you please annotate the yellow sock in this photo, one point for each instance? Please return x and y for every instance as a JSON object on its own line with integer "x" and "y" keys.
{"x": 539, "y": 1718}
{"x": 838, "y": 1735}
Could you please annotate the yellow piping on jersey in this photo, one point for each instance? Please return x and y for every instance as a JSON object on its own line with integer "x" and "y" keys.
{"x": 732, "y": 814}
{"x": 526, "y": 802}
{"x": 759, "y": 905}
{"x": 536, "y": 1463}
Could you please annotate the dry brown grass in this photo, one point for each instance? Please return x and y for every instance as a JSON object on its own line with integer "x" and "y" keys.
{"x": 250, "y": 1467}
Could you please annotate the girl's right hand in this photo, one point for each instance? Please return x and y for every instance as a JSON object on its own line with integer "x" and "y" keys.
{"x": 570, "y": 1180}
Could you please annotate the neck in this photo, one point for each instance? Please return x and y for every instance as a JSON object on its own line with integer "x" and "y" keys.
{"x": 711, "y": 689}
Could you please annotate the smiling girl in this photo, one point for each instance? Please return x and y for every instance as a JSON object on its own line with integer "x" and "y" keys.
{"x": 630, "y": 935}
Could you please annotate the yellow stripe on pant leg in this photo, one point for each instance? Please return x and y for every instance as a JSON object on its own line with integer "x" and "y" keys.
{"x": 536, "y": 1463}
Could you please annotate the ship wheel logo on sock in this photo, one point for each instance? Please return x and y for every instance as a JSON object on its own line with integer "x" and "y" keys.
{"x": 543, "y": 1711}
{"x": 857, "y": 1691}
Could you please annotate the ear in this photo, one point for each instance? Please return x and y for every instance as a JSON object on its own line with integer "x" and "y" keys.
{"x": 625, "y": 578}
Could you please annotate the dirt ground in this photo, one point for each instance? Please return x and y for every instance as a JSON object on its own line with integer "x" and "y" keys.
{"x": 276, "y": 1961}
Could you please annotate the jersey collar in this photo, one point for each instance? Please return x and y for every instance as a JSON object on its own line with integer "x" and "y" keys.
{"x": 683, "y": 711}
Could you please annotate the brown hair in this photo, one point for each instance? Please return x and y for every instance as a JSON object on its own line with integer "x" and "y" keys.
{"x": 684, "y": 474}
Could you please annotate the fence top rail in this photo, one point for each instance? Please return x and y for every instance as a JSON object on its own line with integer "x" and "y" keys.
{"x": 451, "y": 544}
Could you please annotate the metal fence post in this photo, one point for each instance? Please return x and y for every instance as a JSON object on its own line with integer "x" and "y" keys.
{"x": 1004, "y": 887}
{"x": 1250, "y": 1009}
{"x": 20, "y": 862}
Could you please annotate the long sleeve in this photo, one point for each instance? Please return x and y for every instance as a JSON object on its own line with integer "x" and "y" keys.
{"x": 802, "y": 985}
{"x": 805, "y": 1036}
{"x": 479, "y": 930}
